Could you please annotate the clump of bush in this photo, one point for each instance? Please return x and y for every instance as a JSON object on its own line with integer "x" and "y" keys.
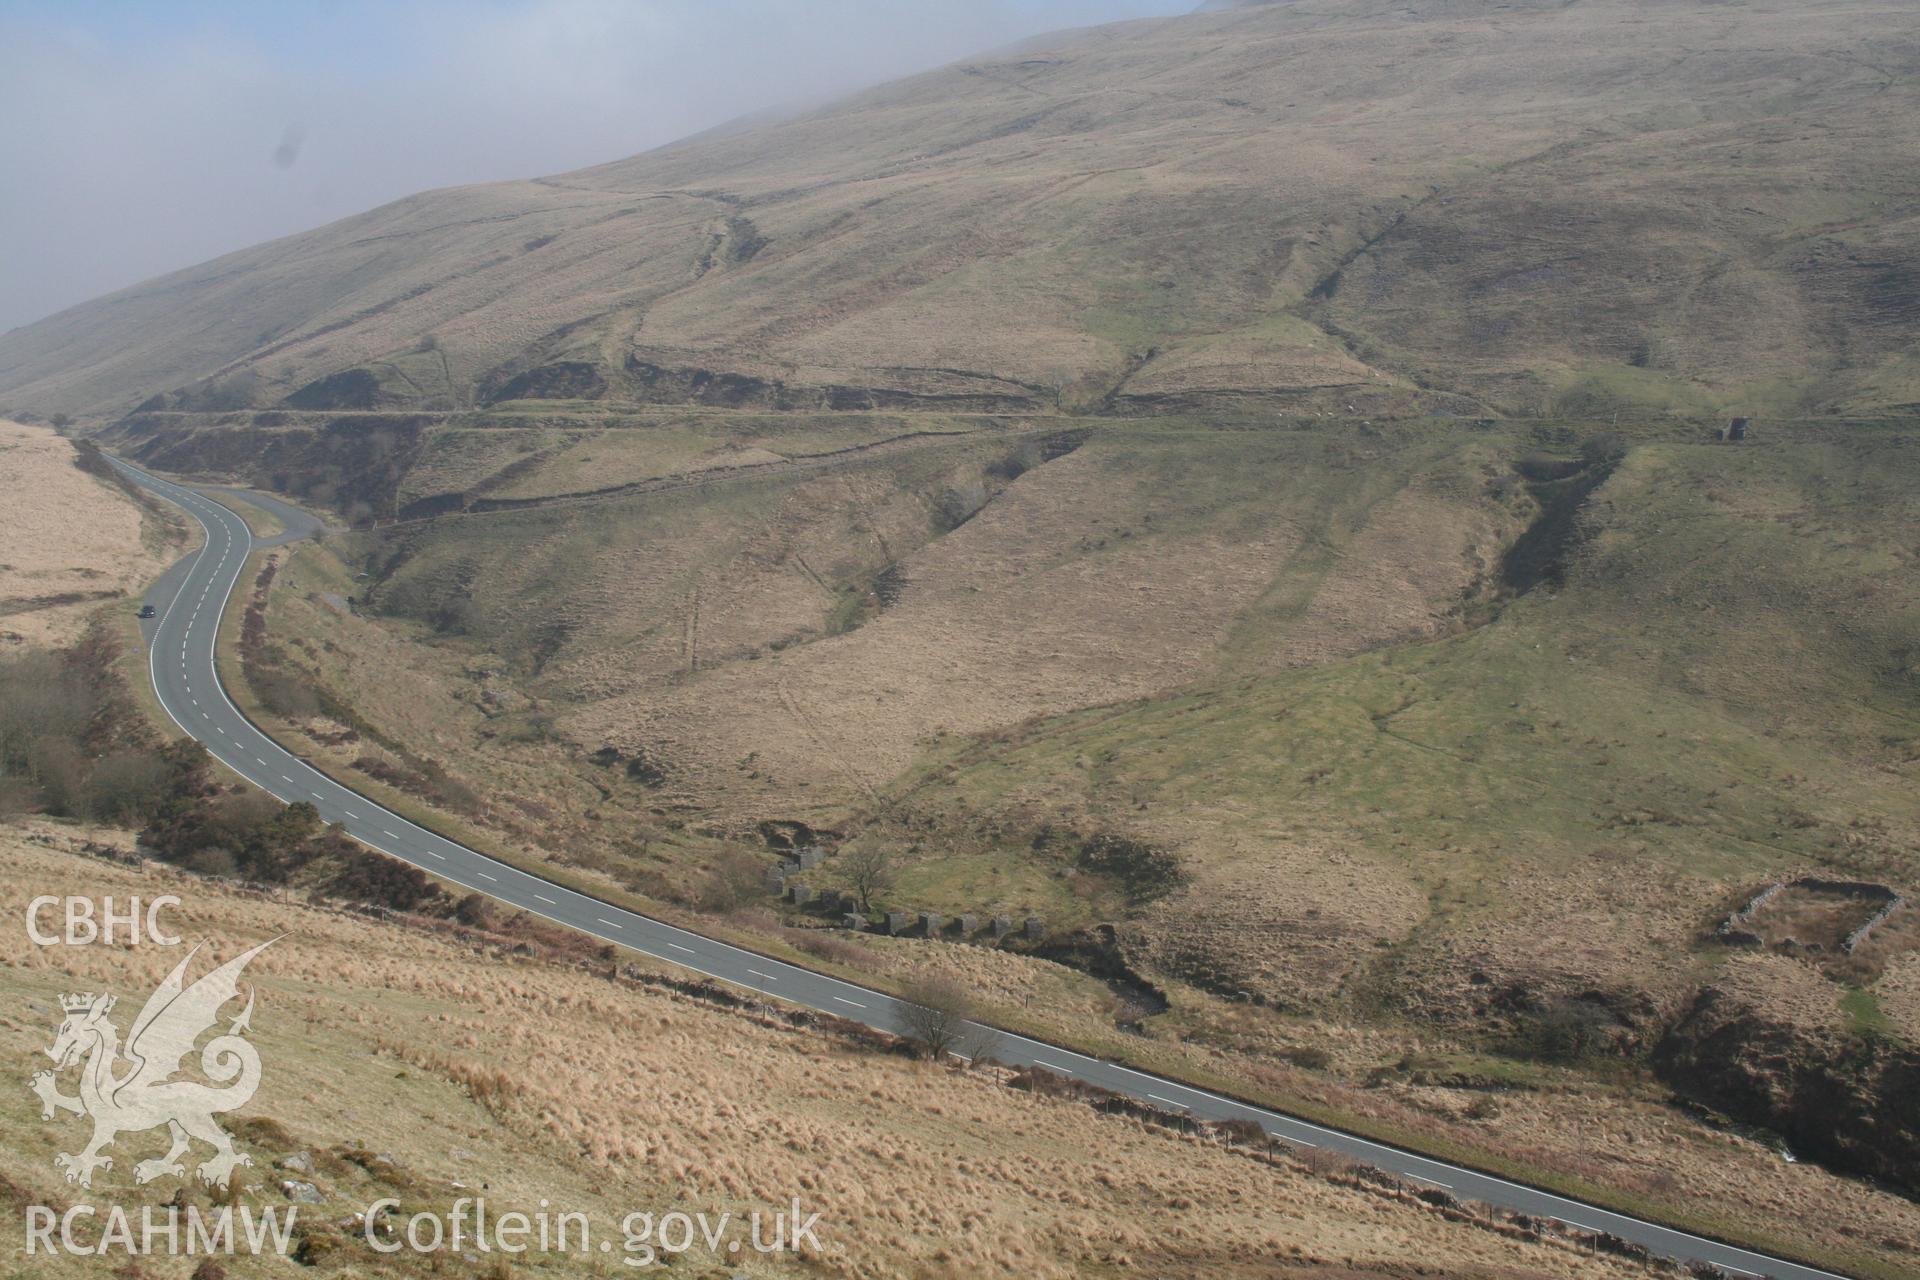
{"x": 1023, "y": 458}
{"x": 72, "y": 743}
{"x": 249, "y": 835}
{"x": 834, "y": 950}
{"x": 1569, "y": 1030}
{"x": 1310, "y": 1056}
{"x": 425, "y": 778}
{"x": 1144, "y": 871}
{"x": 957, "y": 505}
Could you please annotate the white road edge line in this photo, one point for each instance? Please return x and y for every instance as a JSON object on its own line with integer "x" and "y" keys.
{"x": 195, "y": 504}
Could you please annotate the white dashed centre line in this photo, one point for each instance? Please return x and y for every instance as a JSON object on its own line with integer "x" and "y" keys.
{"x": 231, "y": 535}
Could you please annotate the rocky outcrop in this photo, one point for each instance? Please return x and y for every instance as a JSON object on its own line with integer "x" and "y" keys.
{"x": 353, "y": 462}
{"x": 562, "y": 380}
{"x": 1851, "y": 1102}
{"x": 347, "y": 389}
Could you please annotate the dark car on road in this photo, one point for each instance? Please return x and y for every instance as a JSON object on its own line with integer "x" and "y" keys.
{"x": 146, "y": 611}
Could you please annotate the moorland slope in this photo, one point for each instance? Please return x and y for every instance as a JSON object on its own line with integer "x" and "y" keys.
{"x": 389, "y": 1071}
{"x": 1441, "y": 205}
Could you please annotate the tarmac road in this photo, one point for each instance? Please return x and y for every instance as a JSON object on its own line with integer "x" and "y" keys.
{"x": 190, "y": 598}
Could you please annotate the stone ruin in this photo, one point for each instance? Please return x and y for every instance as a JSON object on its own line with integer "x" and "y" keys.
{"x": 842, "y": 906}
{"x": 1873, "y": 922}
{"x": 1736, "y": 929}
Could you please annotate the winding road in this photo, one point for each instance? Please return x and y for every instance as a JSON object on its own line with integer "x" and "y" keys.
{"x": 190, "y": 598}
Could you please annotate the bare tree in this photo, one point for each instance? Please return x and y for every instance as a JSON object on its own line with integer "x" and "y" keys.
{"x": 939, "y": 1019}
{"x": 869, "y": 871}
{"x": 734, "y": 879}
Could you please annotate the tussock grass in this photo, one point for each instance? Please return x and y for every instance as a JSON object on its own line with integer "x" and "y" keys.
{"x": 406, "y": 1059}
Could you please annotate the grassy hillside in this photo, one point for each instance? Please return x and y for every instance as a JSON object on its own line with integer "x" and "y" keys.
{"x": 1724, "y": 687}
{"x": 1237, "y": 487}
{"x": 408, "y": 1060}
{"x": 1383, "y": 208}
{"x": 1463, "y": 737}
{"x": 776, "y": 641}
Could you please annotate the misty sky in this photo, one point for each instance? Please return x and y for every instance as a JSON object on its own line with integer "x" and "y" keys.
{"x": 139, "y": 138}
